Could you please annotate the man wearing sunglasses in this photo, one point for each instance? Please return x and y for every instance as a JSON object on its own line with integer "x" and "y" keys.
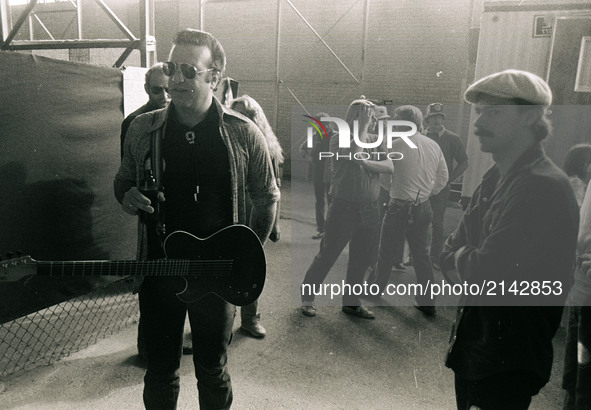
{"x": 156, "y": 86}
{"x": 210, "y": 158}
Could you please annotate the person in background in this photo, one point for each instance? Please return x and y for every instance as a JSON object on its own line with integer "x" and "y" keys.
{"x": 156, "y": 86}
{"x": 321, "y": 172}
{"x": 421, "y": 174}
{"x": 519, "y": 230}
{"x": 384, "y": 198}
{"x": 577, "y": 166}
{"x": 457, "y": 162}
{"x": 248, "y": 106}
{"x": 352, "y": 216}
{"x": 576, "y": 377}
{"x": 210, "y": 159}
{"x": 385, "y": 179}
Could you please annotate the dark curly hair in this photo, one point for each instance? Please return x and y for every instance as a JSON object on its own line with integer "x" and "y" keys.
{"x": 203, "y": 38}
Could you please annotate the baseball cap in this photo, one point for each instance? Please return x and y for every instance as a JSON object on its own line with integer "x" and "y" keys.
{"x": 434, "y": 109}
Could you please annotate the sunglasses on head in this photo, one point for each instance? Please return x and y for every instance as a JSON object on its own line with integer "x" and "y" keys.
{"x": 158, "y": 90}
{"x": 189, "y": 71}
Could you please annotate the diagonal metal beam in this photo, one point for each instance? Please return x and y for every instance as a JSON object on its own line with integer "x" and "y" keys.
{"x": 294, "y": 97}
{"x": 68, "y": 27}
{"x": 19, "y": 23}
{"x": 133, "y": 46}
{"x": 42, "y": 25}
{"x": 115, "y": 19}
{"x": 322, "y": 40}
{"x": 342, "y": 17}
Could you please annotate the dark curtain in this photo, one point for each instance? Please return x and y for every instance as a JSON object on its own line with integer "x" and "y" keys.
{"x": 59, "y": 151}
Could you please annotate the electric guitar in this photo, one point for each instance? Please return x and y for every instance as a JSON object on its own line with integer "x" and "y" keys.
{"x": 230, "y": 263}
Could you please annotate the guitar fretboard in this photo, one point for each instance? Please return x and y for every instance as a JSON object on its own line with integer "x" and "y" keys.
{"x": 159, "y": 267}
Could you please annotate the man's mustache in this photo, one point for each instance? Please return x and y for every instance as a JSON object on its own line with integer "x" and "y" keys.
{"x": 483, "y": 133}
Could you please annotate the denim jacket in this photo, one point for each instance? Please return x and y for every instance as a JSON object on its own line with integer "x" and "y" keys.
{"x": 250, "y": 164}
{"x": 518, "y": 230}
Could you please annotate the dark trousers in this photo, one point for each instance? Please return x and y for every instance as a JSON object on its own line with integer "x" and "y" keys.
{"x": 346, "y": 223}
{"x": 322, "y": 199}
{"x": 383, "y": 201}
{"x": 395, "y": 228}
{"x": 438, "y": 206}
{"x": 163, "y": 319}
{"x": 576, "y": 379}
{"x": 505, "y": 391}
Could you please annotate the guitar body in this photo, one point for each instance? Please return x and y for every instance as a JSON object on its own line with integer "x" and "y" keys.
{"x": 230, "y": 264}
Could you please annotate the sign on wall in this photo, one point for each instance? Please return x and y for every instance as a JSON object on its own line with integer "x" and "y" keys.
{"x": 543, "y": 26}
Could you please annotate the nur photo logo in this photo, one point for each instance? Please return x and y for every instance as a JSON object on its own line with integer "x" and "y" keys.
{"x": 386, "y": 129}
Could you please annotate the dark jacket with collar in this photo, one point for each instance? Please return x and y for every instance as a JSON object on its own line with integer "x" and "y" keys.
{"x": 250, "y": 163}
{"x": 520, "y": 230}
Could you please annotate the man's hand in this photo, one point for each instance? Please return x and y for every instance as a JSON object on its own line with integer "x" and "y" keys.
{"x": 262, "y": 219}
{"x": 366, "y": 117}
{"x": 134, "y": 200}
{"x": 584, "y": 262}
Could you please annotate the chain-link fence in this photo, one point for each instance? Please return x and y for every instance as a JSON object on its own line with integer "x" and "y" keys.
{"x": 48, "y": 335}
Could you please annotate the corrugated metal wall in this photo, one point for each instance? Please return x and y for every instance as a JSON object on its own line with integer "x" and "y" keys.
{"x": 410, "y": 52}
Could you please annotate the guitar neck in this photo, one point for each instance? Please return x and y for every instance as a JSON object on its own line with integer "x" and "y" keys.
{"x": 159, "y": 267}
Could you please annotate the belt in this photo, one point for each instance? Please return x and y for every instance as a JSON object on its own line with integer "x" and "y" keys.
{"x": 403, "y": 202}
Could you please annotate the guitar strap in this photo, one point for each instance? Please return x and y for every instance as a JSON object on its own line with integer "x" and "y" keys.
{"x": 156, "y": 148}
{"x": 157, "y": 169}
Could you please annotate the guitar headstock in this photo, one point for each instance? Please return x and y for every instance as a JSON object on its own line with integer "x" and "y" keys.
{"x": 15, "y": 269}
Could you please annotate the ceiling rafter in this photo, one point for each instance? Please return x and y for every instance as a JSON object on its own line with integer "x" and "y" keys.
{"x": 145, "y": 43}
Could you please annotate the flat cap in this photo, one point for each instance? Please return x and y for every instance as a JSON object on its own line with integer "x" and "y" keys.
{"x": 513, "y": 85}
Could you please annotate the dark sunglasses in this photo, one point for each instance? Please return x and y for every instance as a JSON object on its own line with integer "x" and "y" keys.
{"x": 158, "y": 90}
{"x": 189, "y": 71}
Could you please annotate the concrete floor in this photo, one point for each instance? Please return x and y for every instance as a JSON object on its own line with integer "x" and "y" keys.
{"x": 331, "y": 361}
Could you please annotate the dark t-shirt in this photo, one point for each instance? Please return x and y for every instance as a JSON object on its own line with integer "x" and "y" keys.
{"x": 452, "y": 147}
{"x": 197, "y": 181}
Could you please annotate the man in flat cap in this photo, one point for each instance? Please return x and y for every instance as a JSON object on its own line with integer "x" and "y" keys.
{"x": 517, "y": 241}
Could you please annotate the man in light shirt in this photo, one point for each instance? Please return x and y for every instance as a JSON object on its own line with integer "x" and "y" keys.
{"x": 421, "y": 173}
